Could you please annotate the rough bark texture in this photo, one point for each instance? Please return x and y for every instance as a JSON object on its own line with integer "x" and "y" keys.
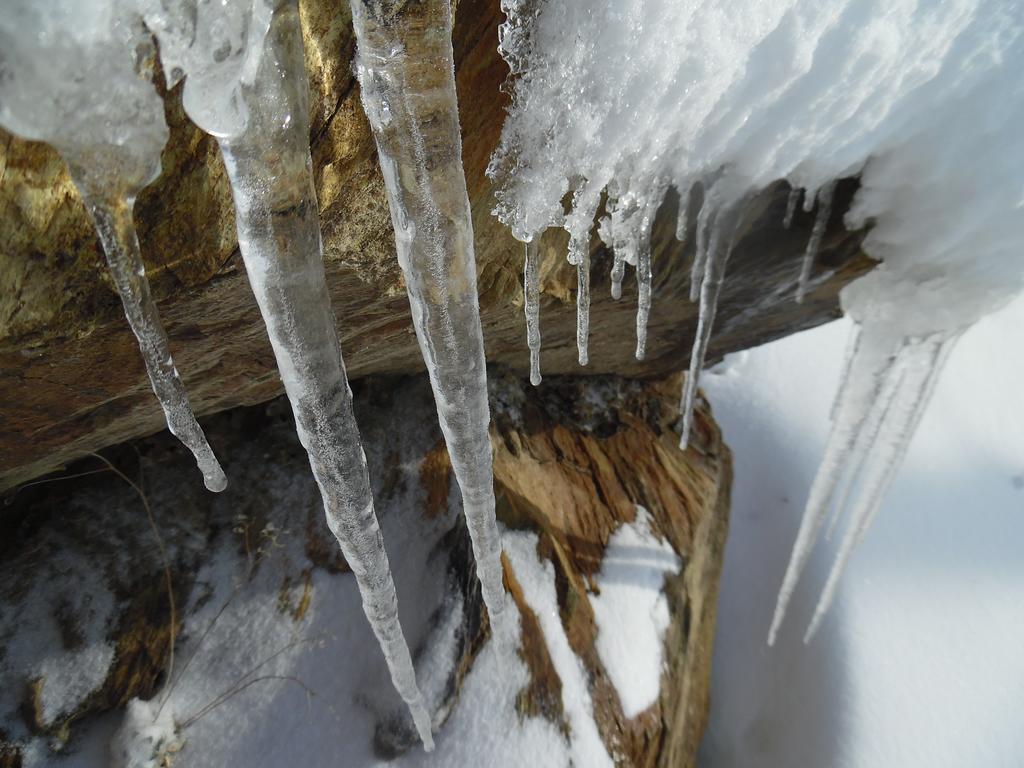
{"x": 572, "y": 461}
{"x": 71, "y": 379}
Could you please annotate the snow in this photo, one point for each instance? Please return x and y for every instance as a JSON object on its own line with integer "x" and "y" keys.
{"x": 66, "y": 679}
{"x": 631, "y": 611}
{"x": 146, "y": 738}
{"x": 538, "y": 581}
{"x": 411, "y": 103}
{"x": 918, "y": 662}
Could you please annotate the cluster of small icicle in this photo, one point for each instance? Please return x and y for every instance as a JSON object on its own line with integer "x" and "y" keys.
{"x": 612, "y": 104}
{"x": 77, "y": 74}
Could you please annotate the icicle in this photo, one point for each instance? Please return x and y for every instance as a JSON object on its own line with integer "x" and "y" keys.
{"x": 620, "y": 234}
{"x": 113, "y": 221}
{"x": 791, "y": 201}
{"x": 810, "y": 197}
{"x": 705, "y": 223}
{"x": 255, "y": 102}
{"x": 852, "y": 345}
{"x": 923, "y": 395}
{"x": 112, "y": 150}
{"x": 651, "y": 204}
{"x": 643, "y": 305}
{"x": 864, "y": 444}
{"x": 920, "y": 362}
{"x": 817, "y": 233}
{"x": 872, "y": 364}
{"x": 531, "y": 305}
{"x": 725, "y": 225}
{"x": 682, "y": 217}
{"x": 406, "y": 74}
{"x": 881, "y": 405}
{"x": 579, "y": 249}
{"x": 578, "y": 222}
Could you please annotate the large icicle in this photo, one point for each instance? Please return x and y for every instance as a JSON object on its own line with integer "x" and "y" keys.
{"x": 247, "y": 86}
{"x": 406, "y": 72}
{"x": 73, "y": 74}
{"x": 825, "y": 195}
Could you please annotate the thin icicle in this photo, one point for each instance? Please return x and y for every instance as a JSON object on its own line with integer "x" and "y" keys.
{"x": 406, "y": 73}
{"x": 791, "y": 202}
{"x": 682, "y": 217}
{"x": 946, "y": 342}
{"x": 651, "y": 204}
{"x": 705, "y": 223}
{"x": 256, "y": 103}
{"x": 873, "y": 362}
{"x": 723, "y": 237}
{"x": 852, "y": 345}
{"x": 620, "y": 234}
{"x": 579, "y": 249}
{"x": 825, "y": 195}
{"x": 113, "y": 221}
{"x": 920, "y": 362}
{"x": 578, "y": 222}
{"x": 531, "y": 305}
{"x": 97, "y": 106}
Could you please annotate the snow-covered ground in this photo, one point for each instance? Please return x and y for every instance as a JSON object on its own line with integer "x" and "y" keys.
{"x": 275, "y": 664}
{"x": 919, "y": 662}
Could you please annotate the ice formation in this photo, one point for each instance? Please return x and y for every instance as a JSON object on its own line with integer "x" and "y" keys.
{"x": 74, "y": 73}
{"x": 246, "y": 85}
{"x": 922, "y": 99}
{"x": 406, "y": 73}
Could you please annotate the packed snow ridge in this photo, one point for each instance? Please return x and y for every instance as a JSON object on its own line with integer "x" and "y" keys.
{"x": 921, "y": 98}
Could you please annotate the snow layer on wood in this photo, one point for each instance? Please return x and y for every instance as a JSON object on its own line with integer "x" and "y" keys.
{"x": 631, "y": 611}
{"x": 923, "y": 99}
{"x": 538, "y": 581}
